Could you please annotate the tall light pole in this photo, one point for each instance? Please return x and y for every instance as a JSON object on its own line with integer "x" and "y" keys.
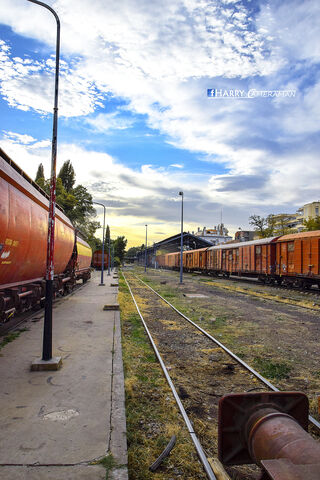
{"x": 181, "y": 243}
{"x": 109, "y": 259}
{"x": 47, "y": 327}
{"x": 145, "y": 254}
{"x": 101, "y": 284}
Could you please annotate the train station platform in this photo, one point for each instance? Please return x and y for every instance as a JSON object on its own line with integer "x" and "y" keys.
{"x": 58, "y": 425}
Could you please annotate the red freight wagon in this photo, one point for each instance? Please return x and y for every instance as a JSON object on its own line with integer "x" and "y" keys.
{"x": 298, "y": 256}
{"x": 172, "y": 260}
{"x": 97, "y": 260}
{"x": 24, "y": 228}
{"x": 160, "y": 259}
{"x": 195, "y": 259}
{"x": 23, "y": 243}
{"x": 257, "y": 257}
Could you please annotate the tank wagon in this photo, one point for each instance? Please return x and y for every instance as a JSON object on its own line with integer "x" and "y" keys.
{"x": 293, "y": 260}
{"x": 97, "y": 260}
{"x": 23, "y": 243}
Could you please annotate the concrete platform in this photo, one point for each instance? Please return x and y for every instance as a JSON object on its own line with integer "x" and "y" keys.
{"x": 55, "y": 425}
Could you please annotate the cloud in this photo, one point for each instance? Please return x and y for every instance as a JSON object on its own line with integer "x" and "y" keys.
{"x": 104, "y": 122}
{"x": 159, "y": 59}
{"x": 176, "y": 165}
{"x": 29, "y": 85}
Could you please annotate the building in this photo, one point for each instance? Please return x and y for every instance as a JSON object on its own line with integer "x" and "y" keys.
{"x": 215, "y": 235}
{"x": 295, "y": 220}
{"x": 245, "y": 235}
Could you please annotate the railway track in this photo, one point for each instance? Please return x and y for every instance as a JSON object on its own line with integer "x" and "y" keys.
{"x": 201, "y": 368}
{"x": 35, "y": 314}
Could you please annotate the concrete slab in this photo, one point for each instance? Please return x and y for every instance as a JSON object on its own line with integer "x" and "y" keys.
{"x": 72, "y": 416}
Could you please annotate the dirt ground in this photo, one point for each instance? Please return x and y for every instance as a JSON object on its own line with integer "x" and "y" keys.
{"x": 259, "y": 330}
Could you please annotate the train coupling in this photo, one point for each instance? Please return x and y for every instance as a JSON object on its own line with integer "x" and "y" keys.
{"x": 269, "y": 429}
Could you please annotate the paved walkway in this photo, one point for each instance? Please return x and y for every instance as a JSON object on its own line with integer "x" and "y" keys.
{"x": 54, "y": 425}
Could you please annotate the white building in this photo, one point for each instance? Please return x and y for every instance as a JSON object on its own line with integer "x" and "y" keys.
{"x": 216, "y": 235}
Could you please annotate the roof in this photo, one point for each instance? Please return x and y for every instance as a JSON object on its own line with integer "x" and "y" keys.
{"x": 294, "y": 236}
{"x": 186, "y": 235}
{"x": 260, "y": 241}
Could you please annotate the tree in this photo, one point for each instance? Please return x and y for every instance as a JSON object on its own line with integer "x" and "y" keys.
{"x": 40, "y": 173}
{"x": 132, "y": 252}
{"x": 259, "y": 224}
{"x": 312, "y": 224}
{"x": 107, "y": 237}
{"x": 75, "y": 202}
{"x": 265, "y": 226}
{"x": 67, "y": 175}
{"x": 119, "y": 247}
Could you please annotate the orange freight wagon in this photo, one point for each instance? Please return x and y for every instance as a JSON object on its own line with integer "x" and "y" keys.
{"x": 298, "y": 258}
{"x": 97, "y": 260}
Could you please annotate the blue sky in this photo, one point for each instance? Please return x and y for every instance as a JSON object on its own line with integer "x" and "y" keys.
{"x": 134, "y": 116}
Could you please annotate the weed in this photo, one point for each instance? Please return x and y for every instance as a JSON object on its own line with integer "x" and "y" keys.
{"x": 278, "y": 370}
{"x": 108, "y": 462}
{"x": 12, "y": 336}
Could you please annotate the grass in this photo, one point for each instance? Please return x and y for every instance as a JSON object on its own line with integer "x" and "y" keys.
{"x": 11, "y": 336}
{"x": 278, "y": 370}
{"x": 151, "y": 412}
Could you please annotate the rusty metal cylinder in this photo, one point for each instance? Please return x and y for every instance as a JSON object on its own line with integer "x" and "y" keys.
{"x": 272, "y": 434}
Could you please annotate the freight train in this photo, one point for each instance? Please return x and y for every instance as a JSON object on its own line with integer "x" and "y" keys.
{"x": 97, "y": 260}
{"x": 292, "y": 260}
{"x": 23, "y": 243}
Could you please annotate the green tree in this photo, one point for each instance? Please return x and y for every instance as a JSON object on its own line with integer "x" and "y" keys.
{"x": 67, "y": 175}
{"x": 119, "y": 247}
{"x": 75, "y": 202}
{"x": 107, "y": 235}
{"x": 40, "y": 173}
{"x": 132, "y": 252}
{"x": 312, "y": 224}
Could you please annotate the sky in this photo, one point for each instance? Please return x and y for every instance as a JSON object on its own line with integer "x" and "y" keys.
{"x": 135, "y": 118}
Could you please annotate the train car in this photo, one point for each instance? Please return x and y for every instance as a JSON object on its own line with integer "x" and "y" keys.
{"x": 24, "y": 210}
{"x": 97, "y": 260}
{"x": 254, "y": 258}
{"x": 161, "y": 260}
{"x": 84, "y": 256}
{"x": 172, "y": 260}
{"x": 298, "y": 259}
{"x": 195, "y": 259}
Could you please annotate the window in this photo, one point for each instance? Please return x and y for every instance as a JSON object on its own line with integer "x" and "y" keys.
{"x": 316, "y": 211}
{"x": 258, "y": 250}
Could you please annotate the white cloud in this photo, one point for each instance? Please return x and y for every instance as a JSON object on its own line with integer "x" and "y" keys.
{"x": 105, "y": 122}
{"x": 160, "y": 58}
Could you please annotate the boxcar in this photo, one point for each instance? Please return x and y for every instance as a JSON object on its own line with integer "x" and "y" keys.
{"x": 195, "y": 259}
{"x": 97, "y": 260}
{"x": 298, "y": 258}
{"x": 254, "y": 258}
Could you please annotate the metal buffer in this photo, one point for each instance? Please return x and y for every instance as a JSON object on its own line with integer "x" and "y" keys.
{"x": 269, "y": 429}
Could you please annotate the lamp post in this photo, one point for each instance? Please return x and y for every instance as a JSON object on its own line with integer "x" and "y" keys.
{"x": 47, "y": 327}
{"x": 145, "y": 254}
{"x": 101, "y": 284}
{"x": 181, "y": 243}
{"x": 109, "y": 241}
{"x": 112, "y": 264}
